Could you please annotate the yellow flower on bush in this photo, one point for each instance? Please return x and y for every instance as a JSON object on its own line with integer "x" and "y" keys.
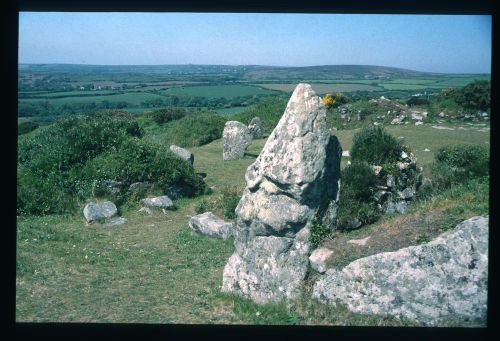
{"x": 329, "y": 100}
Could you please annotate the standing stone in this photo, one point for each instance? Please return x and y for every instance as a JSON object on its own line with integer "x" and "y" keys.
{"x": 255, "y": 128}
{"x": 444, "y": 279}
{"x": 183, "y": 154}
{"x": 295, "y": 175}
{"x": 236, "y": 138}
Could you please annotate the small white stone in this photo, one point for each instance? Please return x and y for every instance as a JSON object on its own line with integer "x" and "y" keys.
{"x": 361, "y": 242}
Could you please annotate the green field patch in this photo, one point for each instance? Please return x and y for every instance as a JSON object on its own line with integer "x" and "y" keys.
{"x": 133, "y": 98}
{"x": 230, "y": 111}
{"x": 324, "y": 88}
{"x": 216, "y": 91}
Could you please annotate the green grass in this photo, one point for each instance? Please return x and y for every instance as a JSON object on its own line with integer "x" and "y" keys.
{"x": 215, "y": 91}
{"x": 231, "y": 111}
{"x": 154, "y": 270}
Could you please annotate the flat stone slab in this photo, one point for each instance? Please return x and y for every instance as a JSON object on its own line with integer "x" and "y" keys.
{"x": 209, "y": 224}
{"x": 318, "y": 259}
{"x": 117, "y": 221}
{"x": 158, "y": 202}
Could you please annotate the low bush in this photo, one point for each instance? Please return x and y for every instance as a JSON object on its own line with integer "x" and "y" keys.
{"x": 318, "y": 232}
{"x": 415, "y": 100}
{"x": 375, "y": 146}
{"x": 195, "y": 129}
{"x": 355, "y": 202}
{"x": 223, "y": 204}
{"x": 459, "y": 163}
{"x": 165, "y": 115}
{"x": 68, "y": 162}
{"x": 26, "y": 127}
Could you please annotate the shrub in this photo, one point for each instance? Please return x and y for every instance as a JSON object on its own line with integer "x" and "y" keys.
{"x": 67, "y": 161}
{"x": 26, "y": 127}
{"x": 375, "y": 146}
{"x": 73, "y": 140}
{"x": 414, "y": 100}
{"x": 475, "y": 95}
{"x": 195, "y": 129}
{"x": 459, "y": 163}
{"x": 161, "y": 116}
{"x": 318, "y": 232}
{"x": 139, "y": 161}
{"x": 358, "y": 181}
{"x": 230, "y": 199}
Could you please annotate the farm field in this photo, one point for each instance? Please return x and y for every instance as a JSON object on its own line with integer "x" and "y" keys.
{"x": 133, "y": 98}
{"x": 324, "y": 88}
{"x": 215, "y": 91}
{"x": 153, "y": 269}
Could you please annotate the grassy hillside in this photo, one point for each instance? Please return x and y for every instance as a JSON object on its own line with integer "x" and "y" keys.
{"x": 154, "y": 270}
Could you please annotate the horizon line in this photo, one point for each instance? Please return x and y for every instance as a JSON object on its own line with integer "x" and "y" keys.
{"x": 262, "y": 65}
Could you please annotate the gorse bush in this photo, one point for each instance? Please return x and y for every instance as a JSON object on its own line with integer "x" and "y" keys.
{"x": 195, "y": 129}
{"x": 75, "y": 139}
{"x": 355, "y": 202}
{"x": 165, "y": 115}
{"x": 475, "y": 95}
{"x": 459, "y": 163}
{"x": 67, "y": 161}
{"x": 375, "y": 146}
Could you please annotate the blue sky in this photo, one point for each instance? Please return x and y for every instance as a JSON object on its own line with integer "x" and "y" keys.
{"x": 436, "y": 43}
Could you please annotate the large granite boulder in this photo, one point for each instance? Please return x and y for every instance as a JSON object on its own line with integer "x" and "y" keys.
{"x": 99, "y": 211}
{"x": 295, "y": 176}
{"x": 445, "y": 278}
{"x": 209, "y": 224}
{"x": 183, "y": 154}
{"x": 255, "y": 128}
{"x": 236, "y": 139}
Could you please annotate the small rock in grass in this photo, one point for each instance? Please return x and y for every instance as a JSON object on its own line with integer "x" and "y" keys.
{"x": 209, "y": 224}
{"x": 360, "y": 242}
{"x": 318, "y": 259}
{"x": 117, "y": 221}
{"x": 158, "y": 202}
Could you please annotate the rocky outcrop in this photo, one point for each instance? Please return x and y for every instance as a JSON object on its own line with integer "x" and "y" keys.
{"x": 295, "y": 175}
{"x": 255, "y": 128}
{"x": 183, "y": 154}
{"x": 428, "y": 283}
{"x": 158, "y": 202}
{"x": 236, "y": 139}
{"x": 99, "y": 211}
{"x": 210, "y": 225}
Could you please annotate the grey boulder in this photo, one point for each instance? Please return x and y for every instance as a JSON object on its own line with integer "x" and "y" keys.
{"x": 183, "y": 154}
{"x": 209, "y": 224}
{"x": 99, "y": 211}
{"x": 158, "y": 202}
{"x": 446, "y": 278}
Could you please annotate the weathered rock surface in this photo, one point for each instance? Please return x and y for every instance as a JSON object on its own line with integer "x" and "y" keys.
{"x": 296, "y": 173}
{"x": 158, "y": 202}
{"x": 99, "y": 211}
{"x": 116, "y": 222}
{"x": 236, "y": 138}
{"x": 183, "y": 154}
{"x": 139, "y": 187}
{"x": 210, "y": 225}
{"x": 112, "y": 187}
{"x": 255, "y": 128}
{"x": 428, "y": 283}
{"x": 318, "y": 259}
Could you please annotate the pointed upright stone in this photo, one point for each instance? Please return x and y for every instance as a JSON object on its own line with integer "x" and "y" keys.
{"x": 295, "y": 175}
